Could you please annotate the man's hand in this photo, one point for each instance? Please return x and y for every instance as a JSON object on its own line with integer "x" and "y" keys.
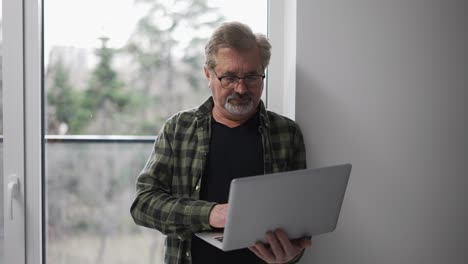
{"x": 218, "y": 215}
{"x": 281, "y": 249}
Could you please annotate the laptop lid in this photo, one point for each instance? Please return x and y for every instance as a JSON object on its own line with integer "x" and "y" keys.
{"x": 303, "y": 203}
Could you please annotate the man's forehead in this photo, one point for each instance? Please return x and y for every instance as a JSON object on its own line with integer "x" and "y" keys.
{"x": 234, "y": 70}
{"x": 235, "y": 61}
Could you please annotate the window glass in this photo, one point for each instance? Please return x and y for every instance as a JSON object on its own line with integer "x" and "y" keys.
{"x": 117, "y": 67}
{"x": 127, "y": 71}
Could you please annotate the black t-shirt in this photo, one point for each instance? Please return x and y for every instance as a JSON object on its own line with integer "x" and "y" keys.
{"x": 234, "y": 153}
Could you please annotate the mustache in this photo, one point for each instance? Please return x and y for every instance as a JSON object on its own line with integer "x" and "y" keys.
{"x": 238, "y": 96}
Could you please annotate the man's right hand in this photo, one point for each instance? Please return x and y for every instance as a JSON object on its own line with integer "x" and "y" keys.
{"x": 218, "y": 215}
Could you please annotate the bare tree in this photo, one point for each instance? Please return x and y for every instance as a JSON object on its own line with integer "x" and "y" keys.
{"x": 167, "y": 47}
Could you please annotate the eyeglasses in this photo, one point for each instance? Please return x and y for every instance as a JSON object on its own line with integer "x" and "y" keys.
{"x": 231, "y": 81}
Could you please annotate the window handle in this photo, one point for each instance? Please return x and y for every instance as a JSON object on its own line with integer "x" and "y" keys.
{"x": 13, "y": 189}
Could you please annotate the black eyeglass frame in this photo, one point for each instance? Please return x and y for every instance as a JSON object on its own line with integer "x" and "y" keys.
{"x": 237, "y": 79}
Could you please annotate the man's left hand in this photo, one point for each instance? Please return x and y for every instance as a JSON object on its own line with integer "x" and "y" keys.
{"x": 281, "y": 249}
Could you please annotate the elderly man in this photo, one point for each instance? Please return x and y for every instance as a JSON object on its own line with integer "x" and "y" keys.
{"x": 184, "y": 186}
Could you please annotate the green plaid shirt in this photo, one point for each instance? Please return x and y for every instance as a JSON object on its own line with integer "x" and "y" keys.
{"x": 168, "y": 187}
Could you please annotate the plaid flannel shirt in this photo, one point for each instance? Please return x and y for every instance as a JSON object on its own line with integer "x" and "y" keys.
{"x": 167, "y": 197}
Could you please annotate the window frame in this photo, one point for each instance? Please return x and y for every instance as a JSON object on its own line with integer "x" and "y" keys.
{"x": 13, "y": 130}
{"x": 33, "y": 109}
{"x": 281, "y": 78}
{"x": 23, "y": 111}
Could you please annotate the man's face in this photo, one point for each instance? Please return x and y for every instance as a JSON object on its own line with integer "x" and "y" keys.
{"x": 235, "y": 102}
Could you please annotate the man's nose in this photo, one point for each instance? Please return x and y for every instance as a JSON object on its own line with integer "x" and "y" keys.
{"x": 240, "y": 88}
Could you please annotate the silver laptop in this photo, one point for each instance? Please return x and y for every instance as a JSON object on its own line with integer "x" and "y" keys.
{"x": 303, "y": 203}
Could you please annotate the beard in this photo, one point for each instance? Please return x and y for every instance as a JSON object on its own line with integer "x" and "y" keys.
{"x": 242, "y": 108}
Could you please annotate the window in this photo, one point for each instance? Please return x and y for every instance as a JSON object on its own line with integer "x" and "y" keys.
{"x": 110, "y": 82}
{"x": 92, "y": 157}
{"x": 126, "y": 73}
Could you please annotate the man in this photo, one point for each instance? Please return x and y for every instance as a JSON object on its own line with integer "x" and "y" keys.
{"x": 184, "y": 186}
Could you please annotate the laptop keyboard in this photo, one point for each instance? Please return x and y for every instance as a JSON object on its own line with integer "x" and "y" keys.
{"x": 219, "y": 238}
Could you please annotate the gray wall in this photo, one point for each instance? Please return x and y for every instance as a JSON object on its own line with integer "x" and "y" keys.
{"x": 383, "y": 85}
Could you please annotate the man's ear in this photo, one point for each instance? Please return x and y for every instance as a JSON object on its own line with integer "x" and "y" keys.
{"x": 207, "y": 72}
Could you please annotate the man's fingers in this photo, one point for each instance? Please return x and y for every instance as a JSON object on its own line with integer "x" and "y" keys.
{"x": 256, "y": 252}
{"x": 305, "y": 242}
{"x": 262, "y": 252}
{"x": 302, "y": 242}
{"x": 276, "y": 245}
{"x": 280, "y": 248}
{"x": 288, "y": 247}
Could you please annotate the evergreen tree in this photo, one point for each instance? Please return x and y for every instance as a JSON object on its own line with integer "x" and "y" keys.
{"x": 65, "y": 114}
{"x": 106, "y": 99}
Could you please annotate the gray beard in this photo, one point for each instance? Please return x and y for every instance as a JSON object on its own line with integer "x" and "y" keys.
{"x": 239, "y": 109}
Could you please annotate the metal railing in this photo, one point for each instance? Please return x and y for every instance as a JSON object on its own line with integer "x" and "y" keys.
{"x": 99, "y": 139}
{"x": 96, "y": 139}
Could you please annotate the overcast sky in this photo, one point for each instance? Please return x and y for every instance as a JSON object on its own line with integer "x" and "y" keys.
{"x": 79, "y": 23}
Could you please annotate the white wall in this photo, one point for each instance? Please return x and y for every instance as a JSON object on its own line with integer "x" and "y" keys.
{"x": 383, "y": 84}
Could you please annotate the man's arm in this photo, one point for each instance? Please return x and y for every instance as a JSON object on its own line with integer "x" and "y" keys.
{"x": 218, "y": 215}
{"x": 155, "y": 206}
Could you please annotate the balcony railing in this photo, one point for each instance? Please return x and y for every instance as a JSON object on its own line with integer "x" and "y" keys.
{"x": 99, "y": 139}
{"x": 89, "y": 185}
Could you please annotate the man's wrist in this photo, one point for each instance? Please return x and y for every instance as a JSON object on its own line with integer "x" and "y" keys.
{"x": 201, "y": 213}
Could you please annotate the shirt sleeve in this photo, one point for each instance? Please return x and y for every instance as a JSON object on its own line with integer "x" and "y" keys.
{"x": 299, "y": 150}
{"x": 154, "y": 205}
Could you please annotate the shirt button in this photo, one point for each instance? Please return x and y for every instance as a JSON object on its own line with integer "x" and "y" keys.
{"x": 187, "y": 254}
{"x": 197, "y": 187}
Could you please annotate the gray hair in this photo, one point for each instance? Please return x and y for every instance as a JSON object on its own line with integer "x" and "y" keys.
{"x": 237, "y": 36}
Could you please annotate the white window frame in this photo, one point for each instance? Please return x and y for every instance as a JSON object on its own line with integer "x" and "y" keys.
{"x": 22, "y": 89}
{"x": 281, "y": 92}
{"x": 33, "y": 129}
{"x": 13, "y": 131}
{"x": 22, "y": 80}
